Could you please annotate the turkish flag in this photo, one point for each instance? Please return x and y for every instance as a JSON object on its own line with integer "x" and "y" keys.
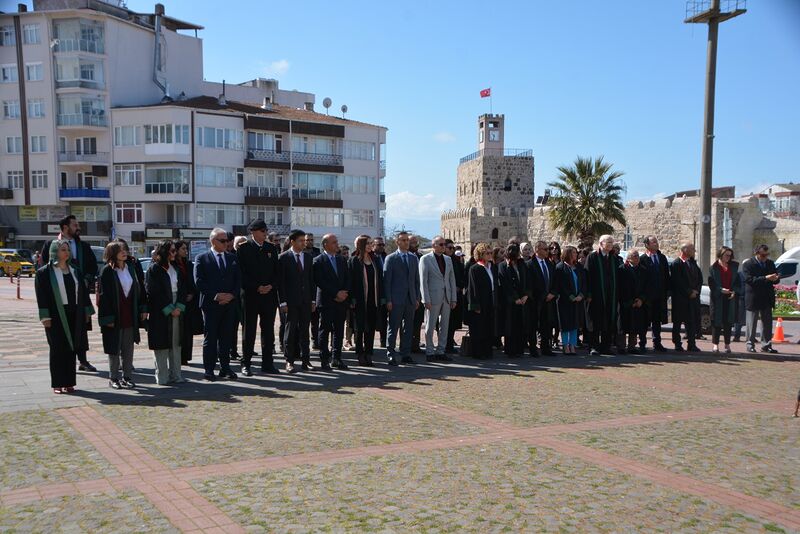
{"x": 486, "y": 92}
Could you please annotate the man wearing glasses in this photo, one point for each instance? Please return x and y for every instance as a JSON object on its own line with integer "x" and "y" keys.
{"x": 439, "y": 296}
{"x": 219, "y": 281}
{"x": 381, "y": 321}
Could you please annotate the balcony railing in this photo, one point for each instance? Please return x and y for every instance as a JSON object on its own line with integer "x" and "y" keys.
{"x": 79, "y": 45}
{"x": 383, "y": 164}
{"x": 166, "y": 188}
{"x": 267, "y": 192}
{"x": 317, "y": 194}
{"x": 84, "y": 192}
{"x": 498, "y": 153}
{"x": 82, "y": 119}
{"x": 295, "y": 157}
{"x": 97, "y": 157}
{"x": 85, "y": 84}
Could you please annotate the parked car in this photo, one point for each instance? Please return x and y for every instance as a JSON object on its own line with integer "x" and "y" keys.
{"x": 11, "y": 264}
{"x": 145, "y": 263}
{"x": 24, "y": 253}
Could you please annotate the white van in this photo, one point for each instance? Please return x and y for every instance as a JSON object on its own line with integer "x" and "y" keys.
{"x": 787, "y": 265}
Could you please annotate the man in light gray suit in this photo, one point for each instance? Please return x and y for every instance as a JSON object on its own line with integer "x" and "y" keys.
{"x": 401, "y": 286}
{"x": 439, "y": 295}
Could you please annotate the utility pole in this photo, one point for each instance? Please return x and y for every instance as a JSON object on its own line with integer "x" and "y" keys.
{"x": 709, "y": 12}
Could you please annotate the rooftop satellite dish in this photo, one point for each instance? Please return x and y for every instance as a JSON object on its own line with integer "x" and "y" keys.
{"x": 326, "y": 103}
{"x": 344, "y": 109}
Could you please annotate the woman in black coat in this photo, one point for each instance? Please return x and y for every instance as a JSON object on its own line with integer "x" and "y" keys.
{"x": 498, "y": 256}
{"x": 193, "y": 317}
{"x": 567, "y": 286}
{"x": 167, "y": 301}
{"x": 634, "y": 317}
{"x": 121, "y": 310}
{"x": 725, "y": 284}
{"x": 65, "y": 311}
{"x": 481, "y": 302}
{"x": 513, "y": 299}
{"x": 366, "y": 297}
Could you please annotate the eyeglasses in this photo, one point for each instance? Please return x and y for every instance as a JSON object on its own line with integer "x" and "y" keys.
{"x": 222, "y": 240}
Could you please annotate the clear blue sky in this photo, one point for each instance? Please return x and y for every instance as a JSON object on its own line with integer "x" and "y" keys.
{"x": 621, "y": 78}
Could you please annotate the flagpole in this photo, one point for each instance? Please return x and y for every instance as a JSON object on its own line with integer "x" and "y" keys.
{"x": 490, "y": 100}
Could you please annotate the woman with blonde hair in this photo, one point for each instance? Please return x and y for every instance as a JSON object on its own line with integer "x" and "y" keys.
{"x": 481, "y": 298}
{"x": 570, "y": 296}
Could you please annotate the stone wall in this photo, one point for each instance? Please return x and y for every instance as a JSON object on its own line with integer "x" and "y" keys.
{"x": 482, "y": 183}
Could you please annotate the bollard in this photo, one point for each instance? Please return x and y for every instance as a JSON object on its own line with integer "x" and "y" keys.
{"x": 19, "y": 296}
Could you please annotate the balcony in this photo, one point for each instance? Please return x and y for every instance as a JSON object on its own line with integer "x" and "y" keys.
{"x": 165, "y": 188}
{"x": 84, "y": 193}
{"x": 79, "y": 45}
{"x": 299, "y": 159}
{"x": 92, "y": 120}
{"x": 317, "y": 198}
{"x": 266, "y": 196}
{"x": 80, "y": 157}
{"x": 80, "y": 84}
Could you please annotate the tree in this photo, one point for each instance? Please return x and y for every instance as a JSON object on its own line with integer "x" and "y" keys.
{"x": 587, "y": 198}
{"x": 392, "y": 232}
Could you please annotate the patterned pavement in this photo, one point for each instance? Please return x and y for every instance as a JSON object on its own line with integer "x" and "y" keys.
{"x": 690, "y": 443}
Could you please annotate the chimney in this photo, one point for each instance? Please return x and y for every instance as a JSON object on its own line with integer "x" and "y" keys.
{"x": 159, "y": 10}
{"x": 22, "y": 8}
{"x": 266, "y": 104}
{"x": 221, "y": 100}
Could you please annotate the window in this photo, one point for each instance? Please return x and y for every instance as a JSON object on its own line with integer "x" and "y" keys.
{"x": 178, "y": 213}
{"x": 34, "y": 72}
{"x": 163, "y": 133}
{"x": 128, "y": 213}
{"x": 219, "y": 176}
{"x": 36, "y": 108}
{"x": 225, "y": 138}
{"x": 16, "y": 180}
{"x": 38, "y": 143}
{"x": 8, "y": 74}
{"x": 7, "y": 36}
{"x": 86, "y": 145}
{"x": 10, "y": 109}
{"x": 264, "y": 178}
{"x": 207, "y": 215}
{"x": 14, "y": 145}
{"x": 494, "y": 135}
{"x": 128, "y": 175}
{"x": 315, "y": 181}
{"x": 91, "y": 213}
{"x": 78, "y": 35}
{"x": 359, "y": 218}
{"x": 272, "y": 216}
{"x": 127, "y": 136}
{"x": 39, "y": 179}
{"x": 318, "y": 217}
{"x": 359, "y": 150}
{"x": 361, "y": 185}
{"x": 166, "y": 180}
{"x": 494, "y": 233}
{"x": 260, "y": 141}
{"x": 30, "y": 34}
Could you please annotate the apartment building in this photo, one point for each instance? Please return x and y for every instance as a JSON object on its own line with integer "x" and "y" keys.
{"x": 105, "y": 114}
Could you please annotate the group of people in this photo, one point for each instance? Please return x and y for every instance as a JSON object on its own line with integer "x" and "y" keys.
{"x": 522, "y": 297}
{"x": 518, "y": 298}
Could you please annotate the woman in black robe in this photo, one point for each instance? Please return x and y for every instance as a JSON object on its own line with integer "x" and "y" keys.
{"x": 193, "y": 317}
{"x": 513, "y": 299}
{"x": 567, "y": 286}
{"x": 498, "y": 257}
{"x": 633, "y": 313}
{"x": 65, "y": 311}
{"x": 366, "y": 297}
{"x": 481, "y": 303}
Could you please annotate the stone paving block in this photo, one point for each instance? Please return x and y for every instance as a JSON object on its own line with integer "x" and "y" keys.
{"x": 129, "y": 512}
{"x": 213, "y": 432}
{"x": 505, "y": 487}
{"x": 532, "y": 398}
{"x": 39, "y": 447}
{"x": 755, "y": 453}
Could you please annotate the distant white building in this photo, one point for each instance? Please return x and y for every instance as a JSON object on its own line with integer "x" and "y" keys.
{"x": 105, "y": 114}
{"x": 780, "y": 200}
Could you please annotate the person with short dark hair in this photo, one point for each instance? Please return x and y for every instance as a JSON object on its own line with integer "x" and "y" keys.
{"x": 570, "y": 298}
{"x": 724, "y": 285}
{"x": 401, "y": 286}
{"x": 64, "y": 310}
{"x": 332, "y": 279}
{"x": 366, "y": 297}
{"x": 258, "y": 260}
{"x": 658, "y": 287}
{"x": 192, "y": 317}
{"x": 167, "y": 298}
{"x": 219, "y": 283}
{"x": 296, "y": 294}
{"x": 381, "y": 322}
{"x": 633, "y": 316}
{"x": 512, "y": 301}
{"x": 760, "y": 278}
{"x": 122, "y": 308}
{"x": 687, "y": 282}
{"x": 542, "y": 304}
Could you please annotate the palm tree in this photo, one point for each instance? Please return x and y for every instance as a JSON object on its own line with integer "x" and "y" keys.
{"x": 587, "y": 198}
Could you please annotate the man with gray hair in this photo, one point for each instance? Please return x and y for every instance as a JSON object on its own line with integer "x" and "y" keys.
{"x": 219, "y": 283}
{"x": 760, "y": 277}
{"x": 657, "y": 287}
{"x": 601, "y": 295}
{"x": 439, "y": 296}
{"x": 687, "y": 282}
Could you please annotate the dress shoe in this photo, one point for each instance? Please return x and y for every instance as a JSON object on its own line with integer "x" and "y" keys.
{"x": 594, "y": 352}
{"x": 271, "y": 370}
{"x": 339, "y": 364}
{"x": 127, "y": 382}
{"x": 208, "y": 377}
{"x": 407, "y": 359}
{"x": 325, "y": 367}
{"x": 230, "y": 375}
{"x": 660, "y": 348}
{"x": 393, "y": 361}
{"x": 369, "y": 360}
{"x": 693, "y": 348}
{"x": 769, "y": 350}
{"x": 679, "y": 348}
{"x": 444, "y": 358}
{"x": 751, "y": 349}
{"x": 114, "y": 384}
{"x": 236, "y": 356}
{"x": 306, "y": 366}
{"x": 87, "y": 367}
{"x": 291, "y": 368}
{"x": 246, "y": 371}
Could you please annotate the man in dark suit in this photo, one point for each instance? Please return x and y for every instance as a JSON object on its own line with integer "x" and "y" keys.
{"x": 381, "y": 321}
{"x": 419, "y": 314}
{"x": 314, "y": 251}
{"x": 332, "y": 278}
{"x": 83, "y": 260}
{"x": 401, "y": 286}
{"x": 542, "y": 293}
{"x": 258, "y": 260}
{"x": 687, "y": 282}
{"x": 760, "y": 277}
{"x": 656, "y": 267}
{"x": 219, "y": 283}
{"x": 296, "y": 297}
{"x": 461, "y": 283}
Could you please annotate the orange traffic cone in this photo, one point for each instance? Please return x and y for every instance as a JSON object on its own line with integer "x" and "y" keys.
{"x": 778, "y": 336}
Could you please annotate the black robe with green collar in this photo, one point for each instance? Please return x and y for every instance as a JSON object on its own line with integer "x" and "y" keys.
{"x": 48, "y": 298}
{"x": 109, "y": 292}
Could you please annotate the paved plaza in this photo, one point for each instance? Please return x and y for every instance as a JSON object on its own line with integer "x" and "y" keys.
{"x": 689, "y": 443}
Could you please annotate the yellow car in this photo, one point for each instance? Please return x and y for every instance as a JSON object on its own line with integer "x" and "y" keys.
{"x": 10, "y": 264}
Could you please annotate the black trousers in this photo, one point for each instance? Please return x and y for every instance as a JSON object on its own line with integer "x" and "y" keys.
{"x": 219, "y": 322}
{"x": 455, "y": 322}
{"x": 382, "y": 322}
{"x": 295, "y": 336}
{"x": 315, "y": 327}
{"x": 259, "y": 309}
{"x": 602, "y": 340}
{"x": 725, "y": 328}
{"x": 365, "y": 338}
{"x": 331, "y": 325}
{"x": 419, "y": 318}
{"x": 689, "y": 322}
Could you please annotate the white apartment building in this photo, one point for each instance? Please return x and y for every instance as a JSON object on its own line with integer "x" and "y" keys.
{"x": 120, "y": 129}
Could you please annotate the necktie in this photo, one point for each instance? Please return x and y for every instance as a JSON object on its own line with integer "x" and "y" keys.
{"x": 297, "y": 261}
{"x": 333, "y": 264}
{"x": 655, "y": 259}
{"x": 545, "y": 273}
{"x": 221, "y": 262}
{"x": 405, "y": 260}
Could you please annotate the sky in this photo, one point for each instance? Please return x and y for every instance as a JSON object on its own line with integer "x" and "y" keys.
{"x": 622, "y": 78}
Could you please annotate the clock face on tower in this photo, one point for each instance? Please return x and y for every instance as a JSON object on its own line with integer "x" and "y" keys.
{"x": 494, "y": 135}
